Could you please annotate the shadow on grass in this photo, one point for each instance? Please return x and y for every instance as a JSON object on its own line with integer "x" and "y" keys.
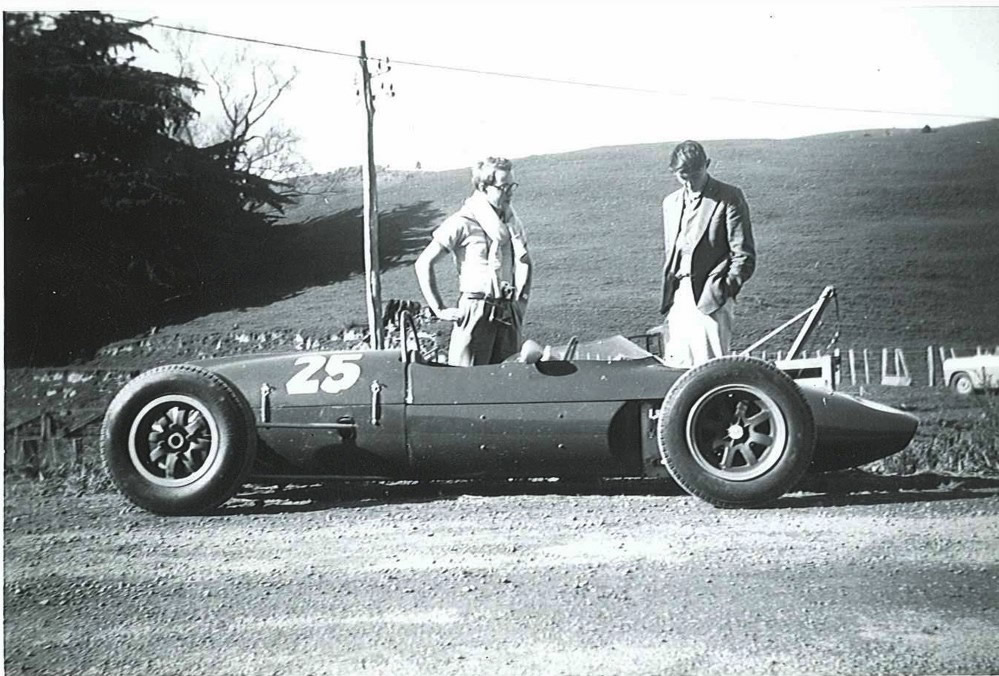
{"x": 838, "y": 489}
{"x": 319, "y": 251}
{"x": 263, "y": 266}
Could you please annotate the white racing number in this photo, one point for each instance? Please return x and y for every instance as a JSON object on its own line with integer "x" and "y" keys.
{"x": 332, "y": 374}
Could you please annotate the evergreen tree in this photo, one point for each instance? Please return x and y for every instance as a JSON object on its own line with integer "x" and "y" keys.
{"x": 107, "y": 212}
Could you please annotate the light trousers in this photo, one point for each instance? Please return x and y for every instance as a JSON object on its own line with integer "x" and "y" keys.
{"x": 691, "y": 337}
{"x": 487, "y": 333}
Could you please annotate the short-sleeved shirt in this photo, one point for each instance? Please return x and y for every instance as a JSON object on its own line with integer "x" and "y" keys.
{"x": 484, "y": 263}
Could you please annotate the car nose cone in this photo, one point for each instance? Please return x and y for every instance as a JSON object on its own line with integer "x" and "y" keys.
{"x": 854, "y": 431}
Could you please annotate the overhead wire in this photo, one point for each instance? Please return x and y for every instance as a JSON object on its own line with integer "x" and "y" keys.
{"x": 562, "y": 81}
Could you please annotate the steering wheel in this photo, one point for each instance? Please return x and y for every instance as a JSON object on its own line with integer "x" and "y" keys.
{"x": 570, "y": 349}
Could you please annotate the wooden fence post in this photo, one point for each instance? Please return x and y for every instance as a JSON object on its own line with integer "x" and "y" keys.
{"x": 853, "y": 367}
{"x": 930, "y": 368}
{"x": 867, "y": 368}
{"x": 901, "y": 368}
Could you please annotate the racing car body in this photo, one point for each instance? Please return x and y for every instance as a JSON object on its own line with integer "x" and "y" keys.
{"x": 735, "y": 431}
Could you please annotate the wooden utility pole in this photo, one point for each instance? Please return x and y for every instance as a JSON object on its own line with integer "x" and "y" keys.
{"x": 372, "y": 274}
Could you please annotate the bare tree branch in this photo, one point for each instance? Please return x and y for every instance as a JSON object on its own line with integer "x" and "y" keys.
{"x": 246, "y": 91}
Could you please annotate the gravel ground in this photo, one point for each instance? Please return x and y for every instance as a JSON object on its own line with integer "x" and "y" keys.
{"x": 521, "y": 580}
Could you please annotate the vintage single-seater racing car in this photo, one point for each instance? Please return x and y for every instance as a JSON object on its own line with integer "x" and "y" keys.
{"x": 736, "y": 431}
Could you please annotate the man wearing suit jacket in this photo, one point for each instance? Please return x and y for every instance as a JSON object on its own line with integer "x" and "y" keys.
{"x": 710, "y": 254}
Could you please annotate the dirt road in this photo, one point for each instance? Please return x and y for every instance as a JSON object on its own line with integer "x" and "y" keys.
{"x": 533, "y": 580}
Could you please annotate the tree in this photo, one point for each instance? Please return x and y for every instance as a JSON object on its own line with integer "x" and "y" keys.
{"x": 238, "y": 106}
{"x": 80, "y": 120}
{"x": 266, "y": 148}
{"x": 105, "y": 209}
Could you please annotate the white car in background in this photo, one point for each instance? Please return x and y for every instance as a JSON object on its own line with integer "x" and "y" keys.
{"x": 972, "y": 374}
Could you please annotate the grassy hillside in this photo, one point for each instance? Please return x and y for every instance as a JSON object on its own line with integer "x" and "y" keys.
{"x": 904, "y": 224}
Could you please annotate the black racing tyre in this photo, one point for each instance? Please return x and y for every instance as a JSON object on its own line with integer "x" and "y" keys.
{"x": 736, "y": 432}
{"x": 961, "y": 383}
{"x": 178, "y": 440}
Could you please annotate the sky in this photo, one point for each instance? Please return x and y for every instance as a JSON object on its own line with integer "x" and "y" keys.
{"x": 666, "y": 71}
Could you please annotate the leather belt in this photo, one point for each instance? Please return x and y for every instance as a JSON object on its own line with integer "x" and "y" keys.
{"x": 478, "y": 295}
{"x": 500, "y": 309}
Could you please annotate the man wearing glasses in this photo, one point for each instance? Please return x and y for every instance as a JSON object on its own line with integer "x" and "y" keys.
{"x": 710, "y": 254}
{"x": 489, "y": 247}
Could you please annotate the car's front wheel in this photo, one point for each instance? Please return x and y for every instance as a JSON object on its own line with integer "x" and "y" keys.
{"x": 736, "y": 432}
{"x": 178, "y": 440}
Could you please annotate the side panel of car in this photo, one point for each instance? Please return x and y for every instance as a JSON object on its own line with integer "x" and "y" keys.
{"x": 546, "y": 419}
{"x": 541, "y": 382}
{"x": 516, "y": 440}
{"x": 328, "y": 413}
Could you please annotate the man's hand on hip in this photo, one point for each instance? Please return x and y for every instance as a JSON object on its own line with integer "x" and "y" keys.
{"x": 448, "y": 314}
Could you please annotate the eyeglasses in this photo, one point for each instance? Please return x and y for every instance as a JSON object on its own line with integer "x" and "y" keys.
{"x": 506, "y": 188}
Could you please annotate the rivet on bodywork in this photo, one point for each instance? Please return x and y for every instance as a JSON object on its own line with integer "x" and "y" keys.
{"x": 482, "y": 447}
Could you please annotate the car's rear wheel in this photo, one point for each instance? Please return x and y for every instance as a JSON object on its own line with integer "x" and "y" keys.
{"x": 736, "y": 432}
{"x": 178, "y": 440}
{"x": 961, "y": 383}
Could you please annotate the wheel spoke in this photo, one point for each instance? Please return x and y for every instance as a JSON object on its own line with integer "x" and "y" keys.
{"x": 198, "y": 451}
{"x": 719, "y": 441}
{"x": 201, "y": 445}
{"x": 761, "y": 417}
{"x": 157, "y": 452}
{"x": 158, "y": 436}
{"x": 762, "y": 439}
{"x": 747, "y": 454}
{"x": 176, "y": 415}
{"x": 189, "y": 463}
{"x": 195, "y": 422}
{"x": 727, "y": 457}
{"x": 171, "y": 465}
